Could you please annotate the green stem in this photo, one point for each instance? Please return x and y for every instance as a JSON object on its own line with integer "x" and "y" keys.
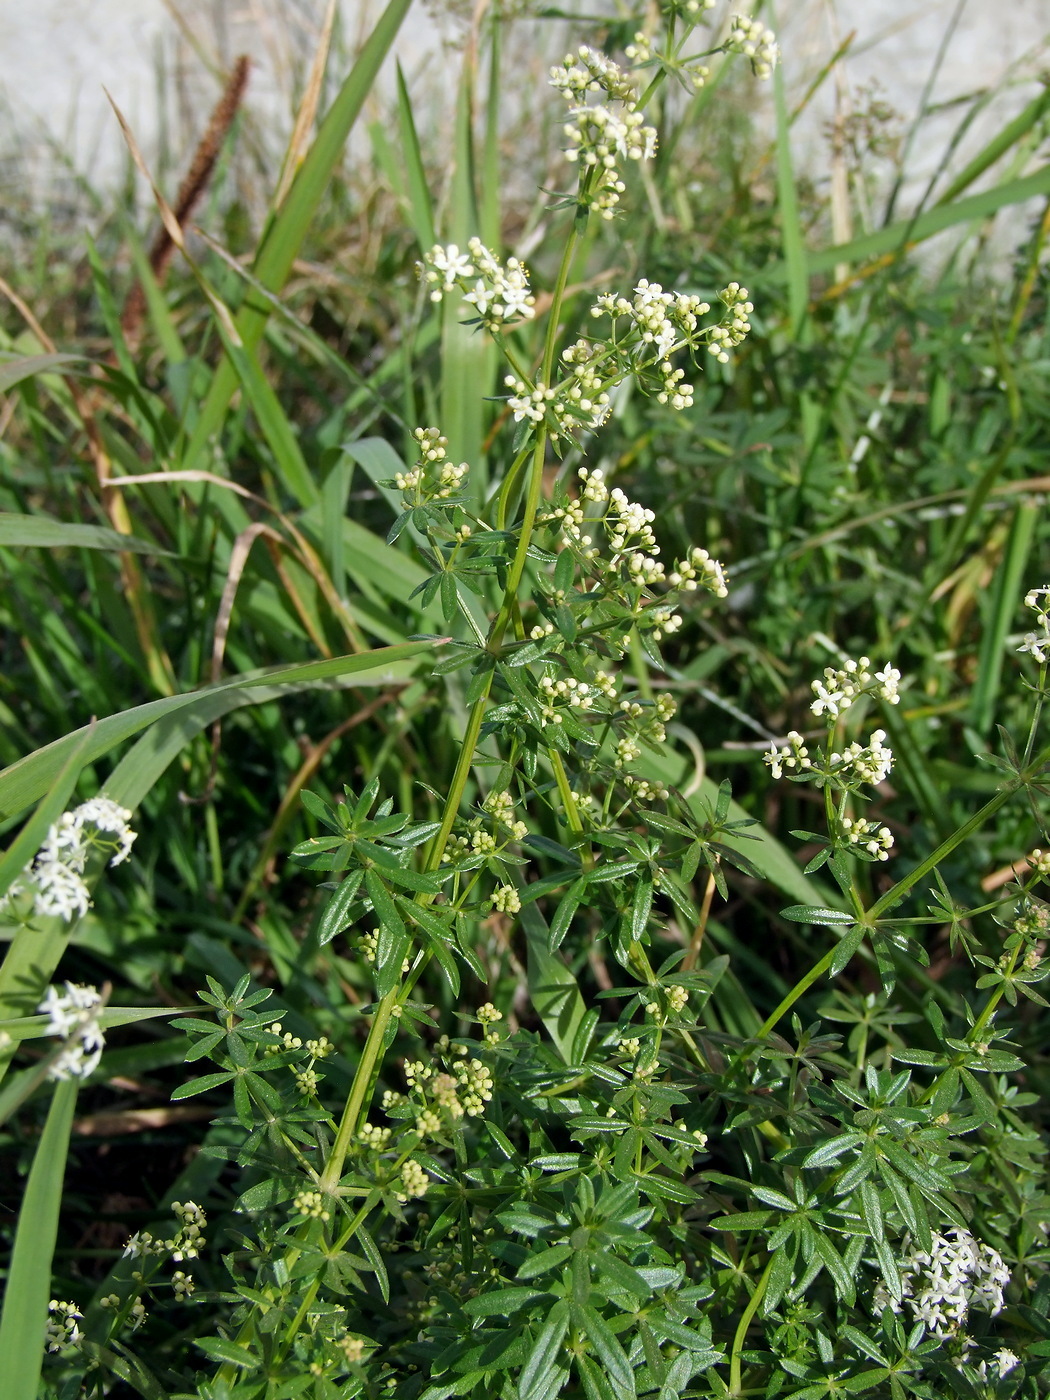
{"x": 741, "y": 1331}
{"x": 897, "y": 892}
{"x": 333, "y": 1167}
{"x": 799, "y": 989}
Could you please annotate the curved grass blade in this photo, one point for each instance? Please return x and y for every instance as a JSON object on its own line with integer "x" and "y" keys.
{"x": 27, "y": 780}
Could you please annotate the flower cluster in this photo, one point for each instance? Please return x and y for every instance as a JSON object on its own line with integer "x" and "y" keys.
{"x": 310, "y": 1205}
{"x": 751, "y": 38}
{"x": 73, "y": 1018}
{"x": 658, "y": 324}
{"x": 53, "y": 884}
{"x": 186, "y": 1243}
{"x": 1037, "y": 644}
{"x": 487, "y": 834}
{"x": 857, "y": 763}
{"x": 840, "y": 687}
{"x": 499, "y": 292}
{"x": 601, "y": 133}
{"x": 434, "y": 477}
{"x": 941, "y": 1286}
{"x": 62, "y": 1330}
{"x": 661, "y": 322}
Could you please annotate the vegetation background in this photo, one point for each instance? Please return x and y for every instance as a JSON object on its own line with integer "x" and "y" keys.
{"x": 871, "y": 469}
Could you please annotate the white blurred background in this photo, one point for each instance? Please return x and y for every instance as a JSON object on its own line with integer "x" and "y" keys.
{"x": 162, "y": 61}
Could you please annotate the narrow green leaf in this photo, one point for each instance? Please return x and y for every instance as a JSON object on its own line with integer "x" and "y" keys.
{"x": 907, "y": 233}
{"x": 808, "y": 914}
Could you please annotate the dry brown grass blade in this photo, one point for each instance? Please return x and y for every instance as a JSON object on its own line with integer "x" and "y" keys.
{"x": 307, "y": 113}
{"x": 191, "y": 191}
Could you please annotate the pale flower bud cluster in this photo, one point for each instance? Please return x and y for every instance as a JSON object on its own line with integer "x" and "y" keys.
{"x": 642, "y": 790}
{"x": 498, "y": 291}
{"x": 563, "y": 693}
{"x": 434, "y": 477}
{"x": 868, "y": 839}
{"x": 840, "y": 687}
{"x": 369, "y": 944}
{"x": 488, "y": 1015}
{"x": 1040, "y": 861}
{"x": 55, "y": 878}
{"x": 941, "y": 1286}
{"x": 751, "y": 38}
{"x": 311, "y": 1204}
{"x": 506, "y": 900}
{"x": 734, "y": 326}
{"x": 699, "y": 570}
{"x": 604, "y": 132}
{"x": 414, "y": 1182}
{"x": 1037, "y": 644}
{"x": 500, "y": 806}
{"x": 186, "y": 1243}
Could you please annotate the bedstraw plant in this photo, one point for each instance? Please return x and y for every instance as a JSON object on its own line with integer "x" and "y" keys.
{"x": 601, "y": 1176}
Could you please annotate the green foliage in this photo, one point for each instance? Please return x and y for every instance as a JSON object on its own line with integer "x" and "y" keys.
{"x": 521, "y": 1078}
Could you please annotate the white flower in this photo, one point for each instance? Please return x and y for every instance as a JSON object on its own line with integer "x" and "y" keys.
{"x": 73, "y": 1017}
{"x": 56, "y": 874}
{"x": 940, "y": 1287}
{"x": 1006, "y": 1360}
{"x": 792, "y": 754}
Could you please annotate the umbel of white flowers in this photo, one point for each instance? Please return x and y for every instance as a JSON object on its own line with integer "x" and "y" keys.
{"x": 55, "y": 877}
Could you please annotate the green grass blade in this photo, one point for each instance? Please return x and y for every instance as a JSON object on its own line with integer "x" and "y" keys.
{"x": 42, "y": 532}
{"x": 140, "y": 768}
{"x": 467, "y": 363}
{"x": 1005, "y": 598}
{"x": 421, "y": 209}
{"x": 273, "y": 422}
{"x": 13, "y": 371}
{"x": 27, "y": 780}
{"x": 160, "y": 317}
{"x": 906, "y": 233}
{"x": 790, "y": 222}
{"x": 290, "y": 226}
{"x": 28, "y": 1286}
{"x": 1013, "y": 132}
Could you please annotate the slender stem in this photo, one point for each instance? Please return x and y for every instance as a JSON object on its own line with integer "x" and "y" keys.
{"x": 901, "y": 888}
{"x": 741, "y": 1331}
{"x": 799, "y": 989}
{"x": 333, "y": 1167}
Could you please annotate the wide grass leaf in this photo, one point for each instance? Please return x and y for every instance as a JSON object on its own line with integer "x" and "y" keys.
{"x": 28, "y": 1286}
